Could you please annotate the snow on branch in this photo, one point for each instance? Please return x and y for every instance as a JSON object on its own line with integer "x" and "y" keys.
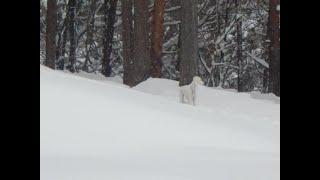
{"x": 260, "y": 61}
{"x": 118, "y": 23}
{"x": 171, "y": 23}
{"x": 170, "y": 52}
{"x": 206, "y": 17}
{"x": 205, "y": 65}
{"x": 204, "y": 44}
{"x": 171, "y": 42}
{"x": 172, "y": 9}
{"x": 221, "y": 37}
{"x": 232, "y": 66}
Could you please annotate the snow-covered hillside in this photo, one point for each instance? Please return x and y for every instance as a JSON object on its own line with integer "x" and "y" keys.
{"x": 101, "y": 129}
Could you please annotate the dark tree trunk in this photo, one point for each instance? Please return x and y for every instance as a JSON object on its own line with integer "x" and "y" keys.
{"x": 265, "y": 81}
{"x": 141, "y": 42}
{"x": 51, "y": 34}
{"x": 73, "y": 38}
{"x": 127, "y": 36}
{"x": 90, "y": 28}
{"x": 64, "y": 39}
{"x": 157, "y": 38}
{"x": 274, "y": 48}
{"x": 239, "y": 46}
{"x": 189, "y": 41}
{"x": 109, "y": 19}
{"x": 58, "y": 47}
{"x": 63, "y": 48}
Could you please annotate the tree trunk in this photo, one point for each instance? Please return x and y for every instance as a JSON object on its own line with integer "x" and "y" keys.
{"x": 189, "y": 41}
{"x": 157, "y": 38}
{"x": 141, "y": 42}
{"x": 265, "y": 81}
{"x": 127, "y": 36}
{"x": 51, "y": 34}
{"x": 109, "y": 19}
{"x": 58, "y": 47}
{"x": 72, "y": 32}
{"x": 64, "y": 39}
{"x": 89, "y": 40}
{"x": 274, "y": 48}
{"x": 239, "y": 45}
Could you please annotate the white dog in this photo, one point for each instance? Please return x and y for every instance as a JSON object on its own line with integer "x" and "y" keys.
{"x": 188, "y": 92}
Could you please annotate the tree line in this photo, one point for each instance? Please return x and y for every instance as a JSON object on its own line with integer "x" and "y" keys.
{"x": 232, "y": 44}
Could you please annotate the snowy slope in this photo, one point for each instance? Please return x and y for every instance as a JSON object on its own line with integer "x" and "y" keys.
{"x": 103, "y": 130}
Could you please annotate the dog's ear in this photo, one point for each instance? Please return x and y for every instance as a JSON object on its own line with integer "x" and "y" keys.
{"x": 201, "y": 82}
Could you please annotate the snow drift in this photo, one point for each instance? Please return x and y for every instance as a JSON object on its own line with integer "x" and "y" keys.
{"x": 103, "y": 130}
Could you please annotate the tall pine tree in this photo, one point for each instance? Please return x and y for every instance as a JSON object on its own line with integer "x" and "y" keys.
{"x": 274, "y": 48}
{"x": 157, "y": 37}
{"x": 189, "y": 41}
{"x": 51, "y": 34}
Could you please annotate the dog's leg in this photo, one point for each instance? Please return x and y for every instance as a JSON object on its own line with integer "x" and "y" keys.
{"x": 194, "y": 98}
{"x": 189, "y": 98}
{"x": 193, "y": 93}
{"x": 181, "y": 96}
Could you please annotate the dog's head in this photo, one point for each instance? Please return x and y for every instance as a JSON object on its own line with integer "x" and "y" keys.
{"x": 198, "y": 80}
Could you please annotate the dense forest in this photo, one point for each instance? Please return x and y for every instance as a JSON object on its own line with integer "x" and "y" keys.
{"x": 231, "y": 44}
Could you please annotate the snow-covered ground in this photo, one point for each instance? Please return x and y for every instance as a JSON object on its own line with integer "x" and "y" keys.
{"x": 93, "y": 129}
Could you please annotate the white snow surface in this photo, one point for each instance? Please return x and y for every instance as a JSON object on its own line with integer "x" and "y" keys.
{"x": 93, "y": 128}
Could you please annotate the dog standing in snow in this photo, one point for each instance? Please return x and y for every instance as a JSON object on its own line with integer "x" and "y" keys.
{"x": 188, "y": 92}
